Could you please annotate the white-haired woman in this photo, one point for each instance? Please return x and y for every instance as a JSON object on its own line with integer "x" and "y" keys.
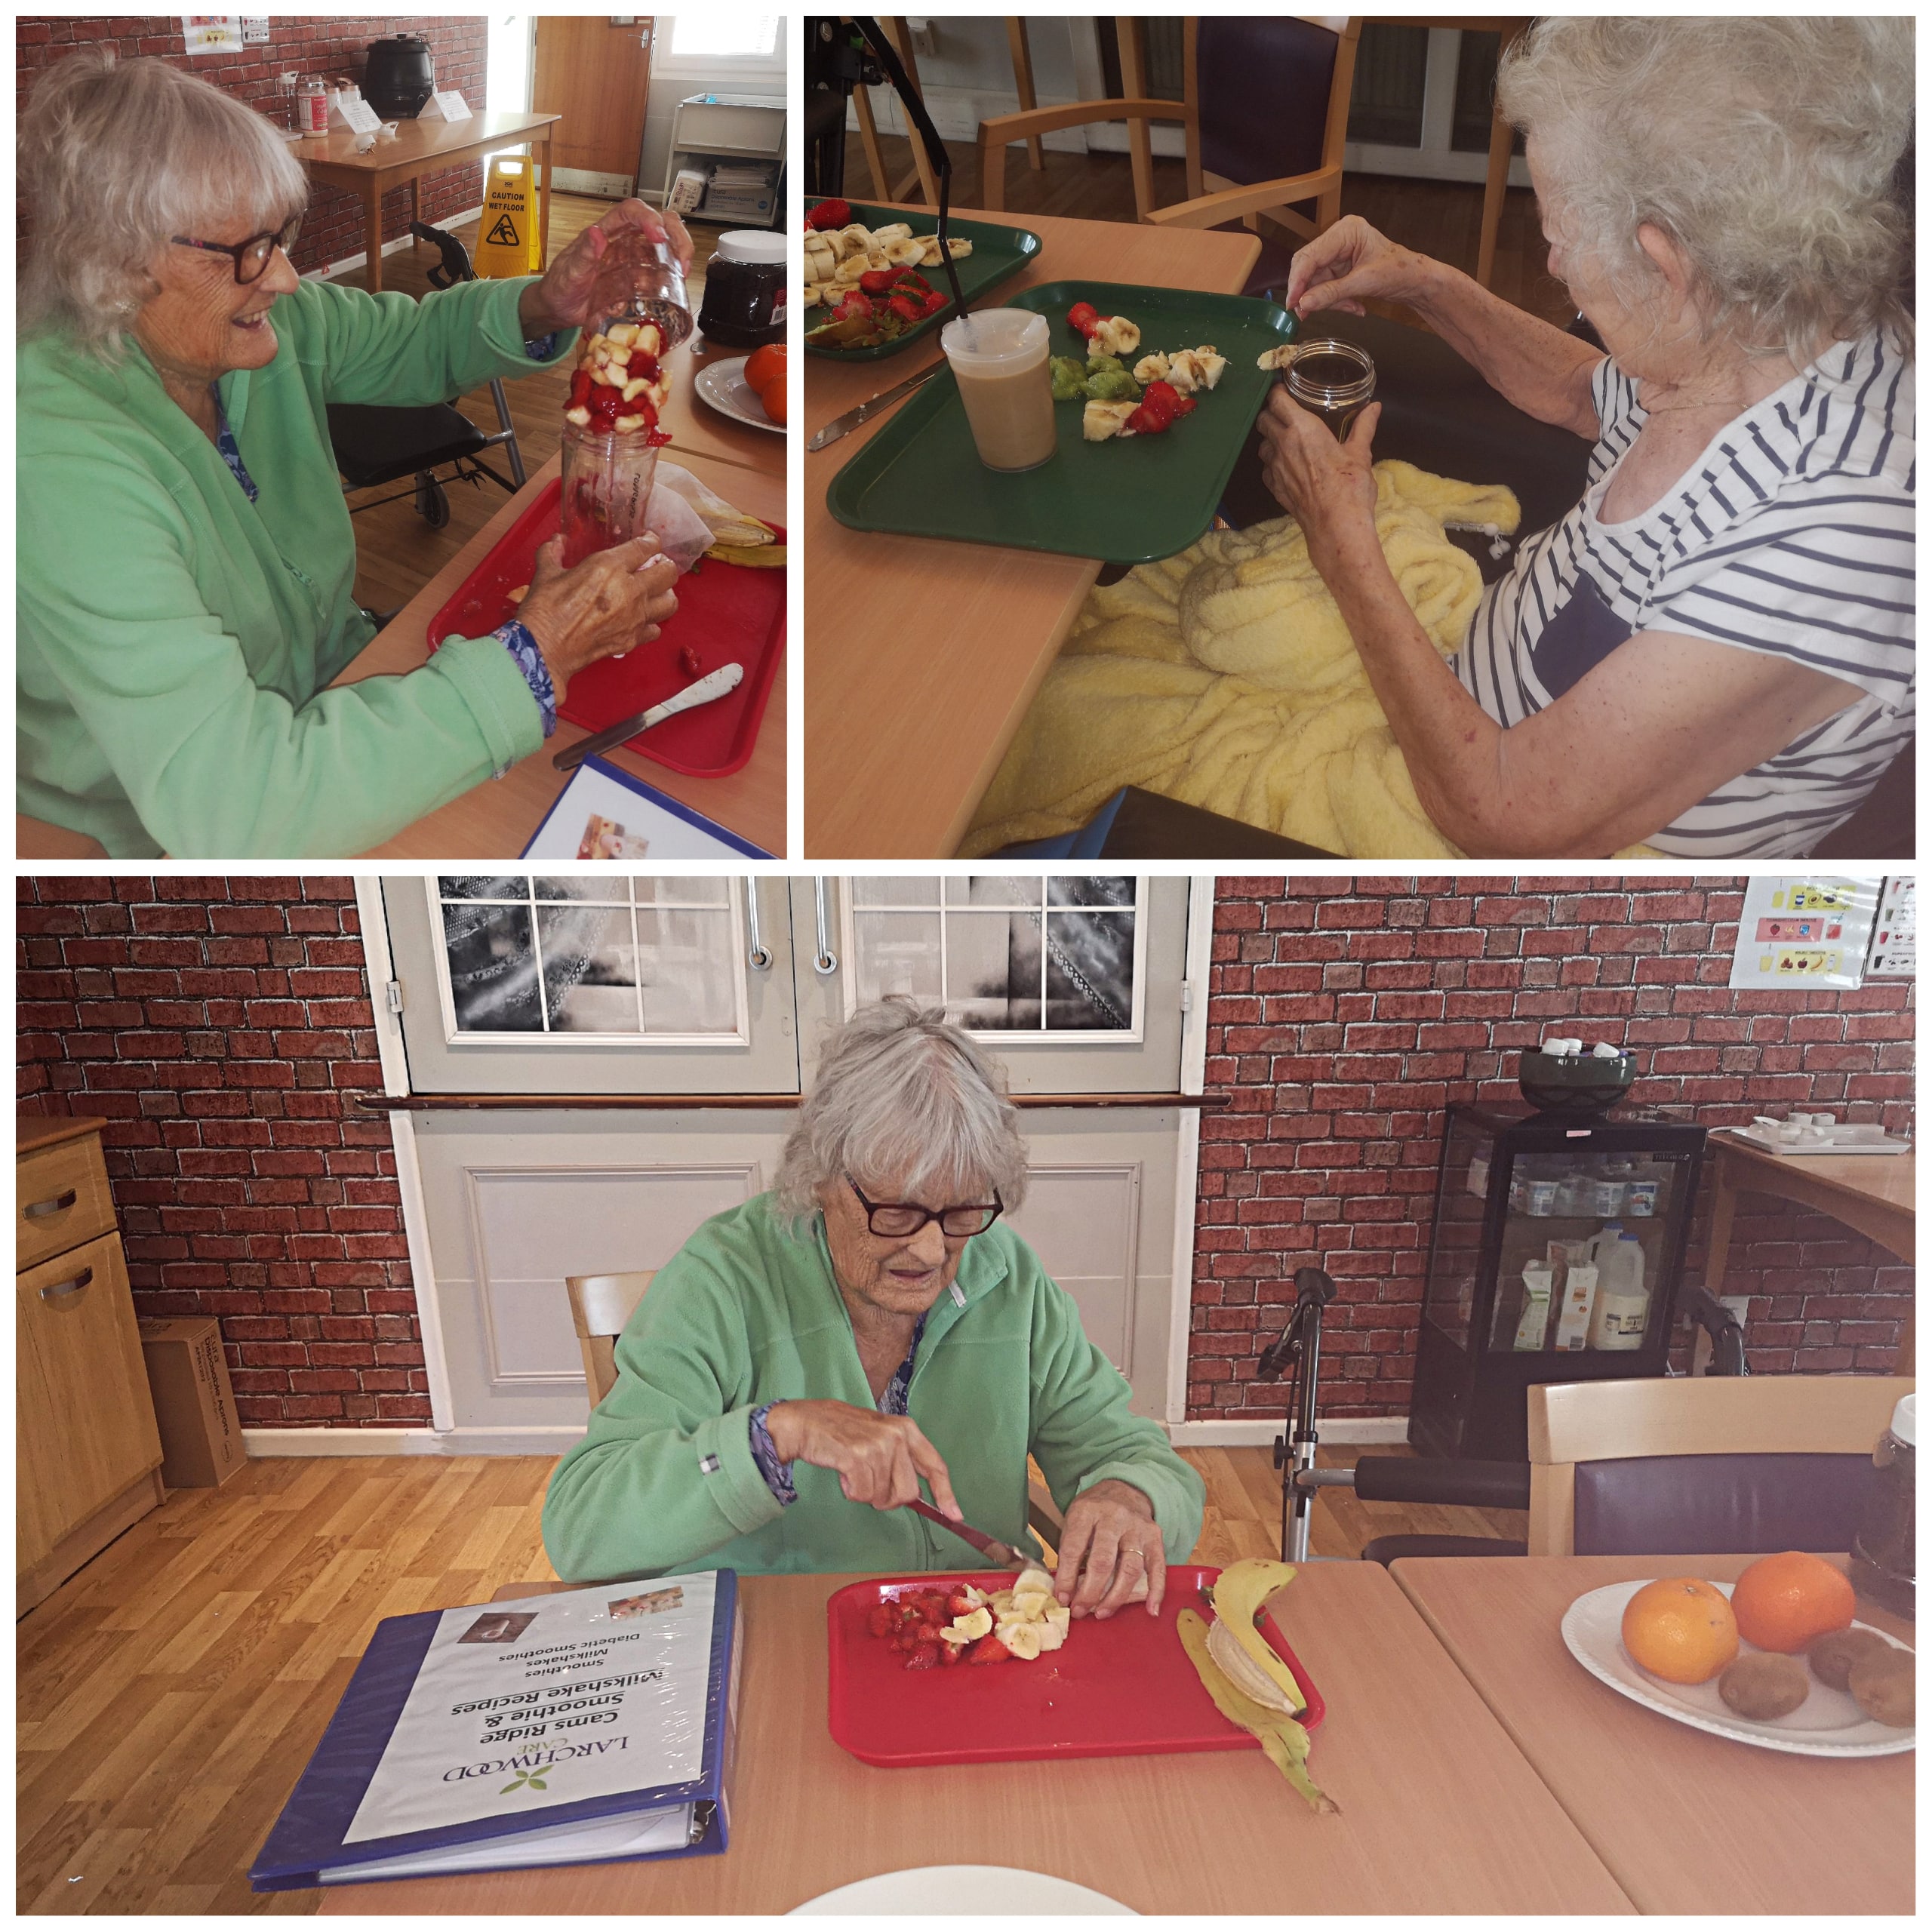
{"x": 804, "y": 1360}
{"x": 185, "y": 559}
{"x": 1713, "y": 652}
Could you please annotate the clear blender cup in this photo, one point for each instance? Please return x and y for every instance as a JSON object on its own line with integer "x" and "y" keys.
{"x": 638, "y": 313}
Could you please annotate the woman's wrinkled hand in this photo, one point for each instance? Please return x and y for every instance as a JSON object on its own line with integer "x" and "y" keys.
{"x": 1348, "y": 261}
{"x": 611, "y": 601}
{"x": 877, "y": 1459}
{"x": 562, "y": 301}
{"x": 1327, "y": 486}
{"x": 1110, "y": 1546}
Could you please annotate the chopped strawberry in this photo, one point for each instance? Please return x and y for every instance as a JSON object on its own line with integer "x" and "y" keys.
{"x": 689, "y": 662}
{"x": 879, "y": 281}
{"x": 657, "y": 438}
{"x": 878, "y": 1619}
{"x": 644, "y": 366}
{"x": 936, "y": 299}
{"x": 580, "y": 388}
{"x": 950, "y": 1654}
{"x": 906, "y": 308}
{"x": 989, "y": 1649}
{"x": 1150, "y": 419}
{"x": 834, "y": 213}
{"x": 960, "y": 1605}
{"x": 925, "y": 1656}
{"x": 1084, "y": 317}
{"x": 1165, "y": 394}
{"x": 857, "y": 303}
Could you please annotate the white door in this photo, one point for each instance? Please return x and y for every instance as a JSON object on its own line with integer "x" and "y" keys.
{"x": 513, "y": 986}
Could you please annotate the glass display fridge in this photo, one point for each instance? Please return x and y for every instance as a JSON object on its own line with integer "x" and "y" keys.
{"x": 1555, "y": 1255}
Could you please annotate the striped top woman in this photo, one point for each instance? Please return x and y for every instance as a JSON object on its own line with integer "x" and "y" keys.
{"x": 1712, "y": 652}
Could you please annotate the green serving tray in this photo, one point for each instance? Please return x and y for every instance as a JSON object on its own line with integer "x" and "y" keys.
{"x": 997, "y": 254}
{"x": 1123, "y": 501}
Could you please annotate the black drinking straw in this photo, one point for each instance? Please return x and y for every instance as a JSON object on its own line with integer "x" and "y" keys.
{"x": 915, "y": 112}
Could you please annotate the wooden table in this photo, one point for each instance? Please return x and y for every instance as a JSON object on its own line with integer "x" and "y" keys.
{"x": 421, "y": 148}
{"x": 495, "y": 819}
{"x": 1686, "y": 1821}
{"x": 1872, "y": 1193}
{"x": 1439, "y": 1812}
{"x": 925, "y": 655}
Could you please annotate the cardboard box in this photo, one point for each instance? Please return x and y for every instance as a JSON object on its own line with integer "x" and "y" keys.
{"x": 201, "y": 1437}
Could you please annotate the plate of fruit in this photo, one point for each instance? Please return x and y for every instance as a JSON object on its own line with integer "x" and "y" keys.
{"x": 748, "y": 389}
{"x": 1777, "y": 1659}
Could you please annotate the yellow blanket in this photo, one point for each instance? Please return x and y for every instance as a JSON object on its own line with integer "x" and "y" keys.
{"x": 1225, "y": 678}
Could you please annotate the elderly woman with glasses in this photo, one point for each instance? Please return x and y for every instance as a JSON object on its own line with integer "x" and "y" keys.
{"x": 1714, "y": 652}
{"x": 805, "y": 1360}
{"x": 185, "y": 560}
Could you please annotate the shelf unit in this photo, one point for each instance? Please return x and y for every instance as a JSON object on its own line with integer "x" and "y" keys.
{"x": 730, "y": 127}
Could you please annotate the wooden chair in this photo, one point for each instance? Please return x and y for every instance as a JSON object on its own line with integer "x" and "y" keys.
{"x": 1217, "y": 54}
{"x": 1785, "y": 1417}
{"x": 600, "y": 1306}
{"x": 922, "y": 175}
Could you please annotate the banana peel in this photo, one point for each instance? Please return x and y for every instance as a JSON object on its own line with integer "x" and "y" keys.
{"x": 1283, "y": 1738}
{"x": 1241, "y": 1592}
{"x": 748, "y": 542}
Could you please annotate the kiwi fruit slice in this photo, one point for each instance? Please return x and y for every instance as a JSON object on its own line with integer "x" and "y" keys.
{"x": 1765, "y": 1685}
{"x": 1833, "y": 1655}
{"x": 1884, "y": 1688}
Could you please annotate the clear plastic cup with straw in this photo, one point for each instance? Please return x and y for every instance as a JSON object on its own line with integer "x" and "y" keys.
{"x": 998, "y": 358}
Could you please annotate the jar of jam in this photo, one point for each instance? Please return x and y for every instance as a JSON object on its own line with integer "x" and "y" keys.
{"x": 1335, "y": 379}
{"x": 744, "y": 291}
{"x": 1883, "y": 1563}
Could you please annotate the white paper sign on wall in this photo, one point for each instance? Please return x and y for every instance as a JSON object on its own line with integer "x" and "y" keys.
{"x": 1806, "y": 931}
{"x": 1894, "y": 954}
{"x": 451, "y": 106}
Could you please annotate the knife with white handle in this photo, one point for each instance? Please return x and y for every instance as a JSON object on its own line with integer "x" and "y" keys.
{"x": 871, "y": 407}
{"x": 707, "y": 689}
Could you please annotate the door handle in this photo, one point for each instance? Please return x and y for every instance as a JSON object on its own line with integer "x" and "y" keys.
{"x": 38, "y": 1210}
{"x": 759, "y": 956}
{"x": 825, "y": 961}
{"x": 72, "y": 1286}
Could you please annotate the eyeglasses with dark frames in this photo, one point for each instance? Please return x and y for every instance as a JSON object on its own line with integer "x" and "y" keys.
{"x": 251, "y": 257}
{"x": 897, "y": 1220}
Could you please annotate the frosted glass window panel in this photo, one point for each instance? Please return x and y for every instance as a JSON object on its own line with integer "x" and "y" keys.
{"x": 498, "y": 886}
{"x": 494, "y": 981}
{"x": 589, "y": 968}
{"x": 985, "y": 889}
{"x": 1086, "y": 889}
{"x": 604, "y": 891}
{"x": 992, "y": 967}
{"x": 898, "y": 952}
{"x": 894, "y": 891}
{"x": 1090, "y": 972}
{"x": 682, "y": 891}
{"x": 688, "y": 968}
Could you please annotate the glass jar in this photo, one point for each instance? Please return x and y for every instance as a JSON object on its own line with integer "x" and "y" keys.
{"x": 607, "y": 475}
{"x": 638, "y": 280}
{"x": 744, "y": 291}
{"x": 1333, "y": 379}
{"x": 1883, "y": 1565}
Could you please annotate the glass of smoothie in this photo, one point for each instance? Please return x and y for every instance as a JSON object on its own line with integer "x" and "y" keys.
{"x": 998, "y": 358}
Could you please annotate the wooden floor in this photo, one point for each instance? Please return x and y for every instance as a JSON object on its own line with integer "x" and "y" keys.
{"x": 1443, "y": 219}
{"x": 169, "y": 1694}
{"x": 396, "y": 551}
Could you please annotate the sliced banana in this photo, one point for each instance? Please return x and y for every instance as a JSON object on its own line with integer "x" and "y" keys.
{"x": 893, "y": 230}
{"x": 1279, "y": 357}
{"x": 1022, "y": 1639}
{"x": 1100, "y": 420}
{"x": 1150, "y": 369}
{"x": 964, "y": 1629}
{"x": 1052, "y": 1635}
{"x": 1035, "y": 1580}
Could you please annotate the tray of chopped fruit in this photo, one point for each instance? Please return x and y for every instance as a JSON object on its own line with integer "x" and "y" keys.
{"x": 985, "y": 1668}
{"x": 874, "y": 281}
{"x": 1155, "y": 391}
{"x": 727, "y": 613}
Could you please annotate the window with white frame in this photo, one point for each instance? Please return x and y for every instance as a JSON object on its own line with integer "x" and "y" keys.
{"x": 738, "y": 41}
{"x": 1053, "y": 957}
{"x": 627, "y": 961}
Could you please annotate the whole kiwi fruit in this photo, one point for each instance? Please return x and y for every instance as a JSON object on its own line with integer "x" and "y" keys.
{"x": 1833, "y": 1655}
{"x": 1883, "y": 1688}
{"x": 1764, "y": 1685}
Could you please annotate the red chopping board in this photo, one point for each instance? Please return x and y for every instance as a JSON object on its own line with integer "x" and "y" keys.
{"x": 727, "y": 613}
{"x": 1112, "y": 1688}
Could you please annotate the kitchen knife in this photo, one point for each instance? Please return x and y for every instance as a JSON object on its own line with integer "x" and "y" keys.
{"x": 1002, "y": 1556}
{"x": 712, "y": 686}
{"x": 871, "y": 406}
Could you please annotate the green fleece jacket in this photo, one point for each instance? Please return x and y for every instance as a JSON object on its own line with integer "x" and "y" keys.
{"x": 176, "y": 641}
{"x": 747, "y": 1313}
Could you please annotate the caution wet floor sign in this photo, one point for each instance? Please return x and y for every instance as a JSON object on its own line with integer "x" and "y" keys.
{"x": 506, "y": 238}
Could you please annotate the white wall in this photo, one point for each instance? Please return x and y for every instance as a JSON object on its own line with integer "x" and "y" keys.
{"x": 680, "y": 83}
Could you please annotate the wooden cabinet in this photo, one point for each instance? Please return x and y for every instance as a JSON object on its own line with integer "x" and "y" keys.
{"x": 88, "y": 1455}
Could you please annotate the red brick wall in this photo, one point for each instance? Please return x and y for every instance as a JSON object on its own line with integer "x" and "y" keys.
{"x": 328, "y": 46}
{"x": 217, "y": 1025}
{"x": 1346, "y": 1014}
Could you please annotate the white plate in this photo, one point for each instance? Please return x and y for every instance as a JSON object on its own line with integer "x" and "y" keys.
{"x": 1827, "y": 1724}
{"x": 959, "y": 1890}
{"x": 723, "y": 386}
{"x": 1837, "y": 1144}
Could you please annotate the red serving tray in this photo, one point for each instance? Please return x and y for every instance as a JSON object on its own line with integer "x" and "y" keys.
{"x": 1113, "y": 1688}
{"x": 727, "y": 613}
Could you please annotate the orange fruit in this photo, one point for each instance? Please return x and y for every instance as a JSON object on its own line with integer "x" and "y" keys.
{"x": 1680, "y": 1628}
{"x": 1783, "y": 1603}
{"x": 772, "y": 396}
{"x": 762, "y": 364}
